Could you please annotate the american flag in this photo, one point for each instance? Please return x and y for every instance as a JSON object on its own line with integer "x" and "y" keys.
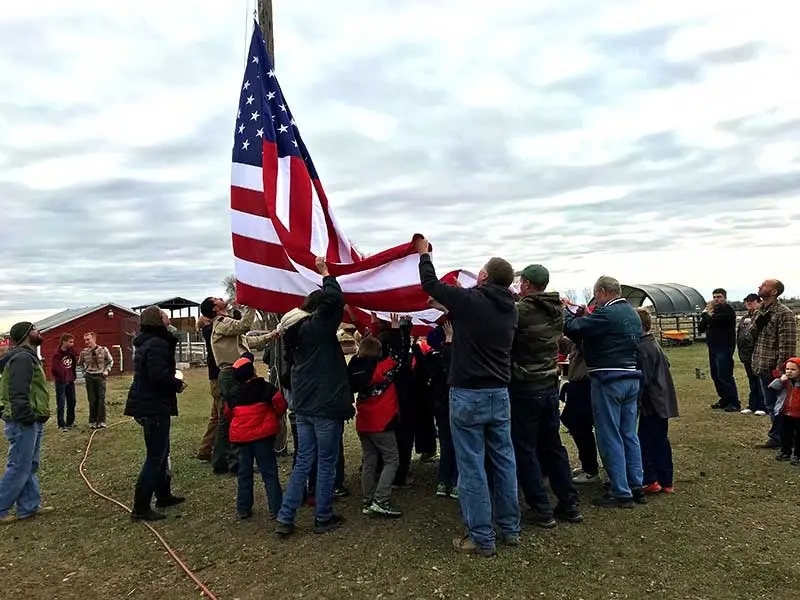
{"x": 281, "y": 219}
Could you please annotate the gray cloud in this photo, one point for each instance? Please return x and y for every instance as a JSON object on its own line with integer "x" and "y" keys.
{"x": 407, "y": 134}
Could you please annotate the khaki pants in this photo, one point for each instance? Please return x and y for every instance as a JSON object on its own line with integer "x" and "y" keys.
{"x": 207, "y": 444}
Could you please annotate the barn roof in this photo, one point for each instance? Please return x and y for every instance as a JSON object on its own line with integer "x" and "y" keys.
{"x": 71, "y": 314}
{"x": 175, "y": 303}
{"x": 667, "y": 298}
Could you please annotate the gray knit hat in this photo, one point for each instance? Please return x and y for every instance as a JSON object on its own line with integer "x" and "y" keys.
{"x": 19, "y": 332}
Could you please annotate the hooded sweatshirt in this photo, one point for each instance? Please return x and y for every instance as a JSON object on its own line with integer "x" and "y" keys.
{"x": 63, "y": 367}
{"x": 484, "y": 321}
{"x": 534, "y": 356}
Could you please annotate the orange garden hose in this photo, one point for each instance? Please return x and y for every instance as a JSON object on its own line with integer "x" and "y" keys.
{"x": 205, "y": 591}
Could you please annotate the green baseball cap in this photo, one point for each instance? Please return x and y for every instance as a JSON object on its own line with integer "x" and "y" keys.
{"x": 537, "y": 275}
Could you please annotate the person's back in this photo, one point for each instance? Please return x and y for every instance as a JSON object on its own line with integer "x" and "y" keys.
{"x": 484, "y": 321}
{"x": 612, "y": 341}
{"x": 154, "y": 389}
{"x": 535, "y": 351}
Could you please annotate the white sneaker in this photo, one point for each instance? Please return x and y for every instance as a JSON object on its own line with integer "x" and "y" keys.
{"x": 101, "y": 425}
{"x": 745, "y": 411}
{"x": 583, "y": 478}
{"x": 760, "y": 413}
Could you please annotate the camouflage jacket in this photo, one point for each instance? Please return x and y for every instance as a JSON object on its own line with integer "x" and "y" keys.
{"x": 534, "y": 355}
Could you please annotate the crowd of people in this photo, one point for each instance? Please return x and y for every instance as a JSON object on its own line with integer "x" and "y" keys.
{"x": 766, "y": 339}
{"x": 484, "y": 385}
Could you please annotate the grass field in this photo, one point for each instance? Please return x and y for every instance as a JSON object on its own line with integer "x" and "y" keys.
{"x": 732, "y": 531}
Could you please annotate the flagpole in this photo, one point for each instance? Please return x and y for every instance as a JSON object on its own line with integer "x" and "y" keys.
{"x": 276, "y": 365}
{"x": 265, "y": 22}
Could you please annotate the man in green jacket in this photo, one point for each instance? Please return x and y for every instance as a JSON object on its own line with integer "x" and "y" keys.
{"x": 534, "y": 403}
{"x": 24, "y": 407}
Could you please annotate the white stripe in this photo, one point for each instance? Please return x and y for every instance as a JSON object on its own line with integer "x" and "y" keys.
{"x": 252, "y": 226}
{"x": 271, "y": 278}
{"x": 247, "y": 177}
{"x": 384, "y": 278}
{"x": 283, "y": 191}
{"x": 319, "y": 227}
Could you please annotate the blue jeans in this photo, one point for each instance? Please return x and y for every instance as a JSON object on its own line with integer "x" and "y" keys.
{"x": 615, "y": 407}
{"x": 263, "y": 452}
{"x": 65, "y": 402}
{"x": 318, "y": 438}
{"x": 538, "y": 449}
{"x": 720, "y": 361}
{"x": 656, "y": 450}
{"x": 770, "y": 399}
{"x": 20, "y": 483}
{"x": 480, "y": 421}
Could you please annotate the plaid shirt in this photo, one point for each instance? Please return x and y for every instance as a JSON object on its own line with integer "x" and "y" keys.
{"x": 776, "y": 342}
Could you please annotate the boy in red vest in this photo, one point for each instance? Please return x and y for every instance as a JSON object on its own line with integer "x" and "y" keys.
{"x": 372, "y": 377}
{"x": 254, "y": 410}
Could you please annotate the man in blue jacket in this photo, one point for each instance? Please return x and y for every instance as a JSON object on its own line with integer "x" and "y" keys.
{"x": 610, "y": 337}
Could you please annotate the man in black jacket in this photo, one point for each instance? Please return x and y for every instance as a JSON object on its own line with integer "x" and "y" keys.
{"x": 320, "y": 398}
{"x": 535, "y": 420}
{"x": 718, "y": 322}
{"x": 484, "y": 320}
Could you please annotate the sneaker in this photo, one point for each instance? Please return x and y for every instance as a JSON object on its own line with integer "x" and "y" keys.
{"x": 385, "y": 509}
{"x": 467, "y": 546}
{"x": 545, "y": 521}
{"x": 101, "y": 425}
{"x": 334, "y": 522}
{"x": 284, "y": 529}
{"x": 365, "y": 507}
{"x": 639, "y": 496}
{"x": 783, "y": 457}
{"x": 652, "y": 488}
{"x": 583, "y": 478}
{"x": 760, "y": 413}
{"x": 92, "y": 425}
{"x": 73, "y": 426}
{"x": 668, "y": 489}
{"x": 6, "y": 519}
{"x": 453, "y": 493}
{"x": 244, "y": 515}
{"x": 746, "y": 411}
{"x": 569, "y": 513}
{"x": 795, "y": 461}
{"x": 441, "y": 490}
{"x": 341, "y": 492}
{"x": 718, "y": 406}
{"x": 170, "y": 501}
{"x": 609, "y": 501}
{"x": 147, "y": 515}
{"x": 428, "y": 457}
{"x": 63, "y": 429}
{"x": 509, "y": 539}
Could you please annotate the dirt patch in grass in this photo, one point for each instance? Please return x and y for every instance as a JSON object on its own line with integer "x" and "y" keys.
{"x": 731, "y": 531}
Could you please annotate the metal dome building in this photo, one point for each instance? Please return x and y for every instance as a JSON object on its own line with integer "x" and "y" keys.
{"x": 667, "y": 298}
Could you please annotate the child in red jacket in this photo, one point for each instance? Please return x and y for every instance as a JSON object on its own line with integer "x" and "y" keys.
{"x": 254, "y": 410}
{"x": 372, "y": 376}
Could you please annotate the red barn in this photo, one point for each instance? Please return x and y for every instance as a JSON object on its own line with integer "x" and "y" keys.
{"x": 115, "y": 326}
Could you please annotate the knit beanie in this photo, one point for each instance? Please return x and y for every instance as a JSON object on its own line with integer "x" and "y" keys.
{"x": 19, "y": 332}
{"x": 293, "y": 317}
{"x": 243, "y": 369}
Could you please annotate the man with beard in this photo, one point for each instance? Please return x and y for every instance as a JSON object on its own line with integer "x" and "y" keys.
{"x": 25, "y": 407}
{"x": 744, "y": 342}
{"x": 775, "y": 334}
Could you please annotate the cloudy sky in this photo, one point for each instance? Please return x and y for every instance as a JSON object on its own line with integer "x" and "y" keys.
{"x": 655, "y": 142}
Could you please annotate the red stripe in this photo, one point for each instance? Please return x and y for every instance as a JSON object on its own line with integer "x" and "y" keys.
{"x": 248, "y": 201}
{"x": 300, "y": 200}
{"x": 261, "y": 253}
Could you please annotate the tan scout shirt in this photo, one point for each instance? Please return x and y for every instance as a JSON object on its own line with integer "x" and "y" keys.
{"x": 228, "y": 341}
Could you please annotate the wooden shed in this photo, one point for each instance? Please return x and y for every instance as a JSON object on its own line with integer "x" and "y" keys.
{"x": 115, "y": 326}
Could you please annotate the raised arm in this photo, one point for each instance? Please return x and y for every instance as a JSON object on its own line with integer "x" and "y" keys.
{"x": 448, "y": 296}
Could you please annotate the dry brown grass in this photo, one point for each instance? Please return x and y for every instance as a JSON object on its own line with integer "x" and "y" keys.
{"x": 731, "y": 531}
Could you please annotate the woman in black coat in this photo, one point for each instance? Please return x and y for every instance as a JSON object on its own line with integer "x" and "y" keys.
{"x": 153, "y": 401}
